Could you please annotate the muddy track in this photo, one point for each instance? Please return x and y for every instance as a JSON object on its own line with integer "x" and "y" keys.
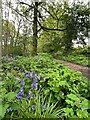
{"x": 84, "y": 70}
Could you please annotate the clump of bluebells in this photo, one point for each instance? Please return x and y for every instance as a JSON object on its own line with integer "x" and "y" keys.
{"x": 33, "y": 81}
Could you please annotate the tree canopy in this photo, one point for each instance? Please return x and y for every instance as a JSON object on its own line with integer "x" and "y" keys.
{"x": 61, "y": 20}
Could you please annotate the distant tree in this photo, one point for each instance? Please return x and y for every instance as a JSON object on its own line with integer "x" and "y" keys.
{"x": 8, "y": 35}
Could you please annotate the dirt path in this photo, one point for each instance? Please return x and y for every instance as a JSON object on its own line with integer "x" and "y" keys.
{"x": 84, "y": 70}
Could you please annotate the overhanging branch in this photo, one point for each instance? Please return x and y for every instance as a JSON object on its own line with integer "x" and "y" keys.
{"x": 27, "y": 4}
{"x": 53, "y": 29}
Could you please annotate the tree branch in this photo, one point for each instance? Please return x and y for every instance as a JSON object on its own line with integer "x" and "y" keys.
{"x": 48, "y": 12}
{"x": 22, "y": 15}
{"x": 27, "y": 4}
{"x": 56, "y": 29}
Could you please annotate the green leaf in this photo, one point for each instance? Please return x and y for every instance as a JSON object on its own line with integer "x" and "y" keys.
{"x": 68, "y": 111}
{"x": 82, "y": 114}
{"x": 46, "y": 91}
{"x": 55, "y": 89}
{"x": 70, "y": 102}
{"x": 85, "y": 104}
{"x": 15, "y": 106}
{"x": 73, "y": 97}
{"x": 3, "y": 91}
{"x": 11, "y": 95}
{"x": 3, "y": 109}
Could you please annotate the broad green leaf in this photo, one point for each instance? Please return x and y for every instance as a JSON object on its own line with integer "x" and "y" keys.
{"x": 15, "y": 106}
{"x": 85, "y": 104}
{"x": 11, "y": 95}
{"x": 3, "y": 109}
{"x": 73, "y": 97}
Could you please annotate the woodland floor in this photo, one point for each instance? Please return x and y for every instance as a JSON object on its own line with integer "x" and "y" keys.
{"x": 84, "y": 70}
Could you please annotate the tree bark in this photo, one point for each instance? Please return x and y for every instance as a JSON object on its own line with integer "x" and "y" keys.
{"x": 35, "y": 29}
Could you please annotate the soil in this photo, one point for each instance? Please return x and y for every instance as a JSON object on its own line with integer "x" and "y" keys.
{"x": 84, "y": 70}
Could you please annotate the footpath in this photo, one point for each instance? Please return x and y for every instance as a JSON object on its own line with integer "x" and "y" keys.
{"x": 84, "y": 70}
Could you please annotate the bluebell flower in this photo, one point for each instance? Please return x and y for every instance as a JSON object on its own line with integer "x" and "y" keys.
{"x": 9, "y": 109}
{"x": 33, "y": 107}
{"x": 21, "y": 93}
{"x": 35, "y": 79}
{"x": 36, "y": 86}
{"x": 28, "y": 75}
{"x": 33, "y": 74}
{"x": 19, "y": 97}
{"x": 33, "y": 85}
{"x": 21, "y": 81}
{"x": 28, "y": 96}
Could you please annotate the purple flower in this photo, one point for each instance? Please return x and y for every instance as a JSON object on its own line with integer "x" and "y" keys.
{"x": 21, "y": 81}
{"x": 33, "y": 74}
{"x": 35, "y": 79}
{"x": 21, "y": 93}
{"x": 28, "y": 75}
{"x": 9, "y": 109}
{"x": 28, "y": 96}
{"x": 33, "y": 85}
{"x": 19, "y": 97}
{"x": 33, "y": 107}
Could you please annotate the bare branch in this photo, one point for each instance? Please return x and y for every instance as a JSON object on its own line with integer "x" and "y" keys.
{"x": 27, "y": 4}
{"x": 22, "y": 15}
{"x": 48, "y": 12}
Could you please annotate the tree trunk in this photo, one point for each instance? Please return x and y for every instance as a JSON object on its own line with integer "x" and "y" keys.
{"x": 0, "y": 28}
{"x": 35, "y": 29}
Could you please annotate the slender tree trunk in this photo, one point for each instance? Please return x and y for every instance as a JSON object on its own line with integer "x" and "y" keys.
{"x": 35, "y": 29}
